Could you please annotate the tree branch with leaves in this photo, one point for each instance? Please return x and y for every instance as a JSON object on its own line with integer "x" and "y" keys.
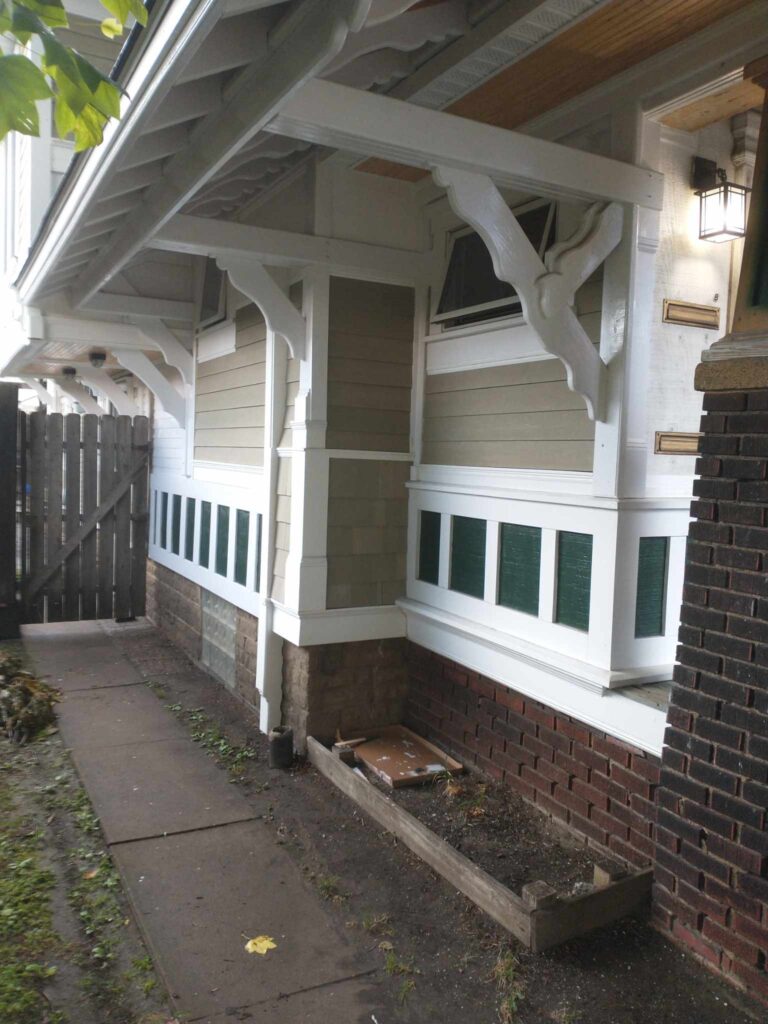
{"x": 41, "y": 67}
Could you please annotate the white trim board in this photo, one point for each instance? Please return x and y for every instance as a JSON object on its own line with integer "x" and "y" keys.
{"x": 338, "y": 625}
{"x": 629, "y": 720}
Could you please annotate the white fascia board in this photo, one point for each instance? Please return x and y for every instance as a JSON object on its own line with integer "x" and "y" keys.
{"x": 372, "y": 125}
{"x": 178, "y": 33}
{"x": 337, "y": 625}
{"x": 140, "y": 306}
{"x": 203, "y": 236}
{"x": 632, "y": 721}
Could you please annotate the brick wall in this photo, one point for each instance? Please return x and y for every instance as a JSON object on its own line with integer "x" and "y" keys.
{"x": 711, "y": 888}
{"x": 600, "y": 787}
{"x": 350, "y": 687}
{"x": 246, "y": 640}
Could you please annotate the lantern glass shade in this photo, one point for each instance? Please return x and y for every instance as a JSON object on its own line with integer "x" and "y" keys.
{"x": 723, "y": 212}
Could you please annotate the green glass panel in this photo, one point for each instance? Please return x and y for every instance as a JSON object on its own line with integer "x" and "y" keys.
{"x": 189, "y": 536}
{"x": 574, "y": 579}
{"x": 429, "y": 547}
{"x": 205, "y": 534}
{"x": 222, "y": 539}
{"x": 257, "y": 574}
{"x": 241, "y": 545}
{"x": 176, "y": 524}
{"x": 520, "y": 567}
{"x": 164, "y": 520}
{"x": 651, "y": 586}
{"x": 468, "y": 556}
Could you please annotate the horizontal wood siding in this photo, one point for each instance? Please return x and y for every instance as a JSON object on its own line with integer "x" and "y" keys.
{"x": 367, "y": 531}
{"x": 370, "y": 355}
{"x": 282, "y": 528}
{"x": 520, "y": 416}
{"x": 229, "y": 398}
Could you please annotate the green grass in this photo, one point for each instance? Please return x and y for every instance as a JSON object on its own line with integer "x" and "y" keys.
{"x": 511, "y": 989}
{"x": 27, "y": 939}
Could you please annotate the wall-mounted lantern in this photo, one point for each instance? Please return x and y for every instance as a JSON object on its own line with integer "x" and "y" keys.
{"x": 722, "y": 203}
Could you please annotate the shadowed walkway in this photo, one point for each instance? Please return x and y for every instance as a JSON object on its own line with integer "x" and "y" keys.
{"x": 203, "y": 873}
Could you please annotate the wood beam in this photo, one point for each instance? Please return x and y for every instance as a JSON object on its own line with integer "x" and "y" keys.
{"x": 371, "y": 125}
{"x": 162, "y": 338}
{"x": 140, "y": 306}
{"x": 204, "y": 236}
{"x": 143, "y": 368}
{"x": 300, "y": 46}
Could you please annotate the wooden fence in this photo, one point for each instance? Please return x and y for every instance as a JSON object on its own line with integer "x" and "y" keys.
{"x": 82, "y": 516}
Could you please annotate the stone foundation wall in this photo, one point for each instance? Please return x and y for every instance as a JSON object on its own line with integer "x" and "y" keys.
{"x": 598, "y": 786}
{"x": 711, "y": 889}
{"x": 174, "y": 604}
{"x": 351, "y": 687}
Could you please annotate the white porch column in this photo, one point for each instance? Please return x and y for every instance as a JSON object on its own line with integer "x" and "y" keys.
{"x": 620, "y": 440}
{"x": 307, "y": 563}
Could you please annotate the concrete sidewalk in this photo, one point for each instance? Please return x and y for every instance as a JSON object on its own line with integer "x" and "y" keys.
{"x": 203, "y": 873}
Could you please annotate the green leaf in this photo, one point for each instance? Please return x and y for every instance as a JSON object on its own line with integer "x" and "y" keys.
{"x": 111, "y": 28}
{"x": 51, "y": 12}
{"x": 122, "y": 9}
{"x": 21, "y": 84}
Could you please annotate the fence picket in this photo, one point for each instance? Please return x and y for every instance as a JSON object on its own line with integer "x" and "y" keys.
{"x": 107, "y": 480}
{"x": 139, "y": 519}
{"x": 88, "y": 577}
{"x": 123, "y": 461}
{"x": 53, "y": 466}
{"x": 72, "y": 514}
{"x": 36, "y": 608}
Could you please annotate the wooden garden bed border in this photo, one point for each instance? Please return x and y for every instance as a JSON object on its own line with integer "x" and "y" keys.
{"x": 538, "y": 919}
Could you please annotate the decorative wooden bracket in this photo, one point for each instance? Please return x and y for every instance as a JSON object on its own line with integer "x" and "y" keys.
{"x": 143, "y": 368}
{"x": 546, "y": 292}
{"x": 174, "y": 353}
{"x": 79, "y": 393}
{"x": 100, "y": 380}
{"x": 42, "y": 393}
{"x": 254, "y": 280}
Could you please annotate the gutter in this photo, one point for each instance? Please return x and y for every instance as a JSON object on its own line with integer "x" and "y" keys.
{"x": 179, "y": 32}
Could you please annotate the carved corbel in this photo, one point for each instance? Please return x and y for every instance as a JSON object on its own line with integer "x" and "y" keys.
{"x": 256, "y": 283}
{"x": 146, "y": 371}
{"x": 161, "y": 337}
{"x": 546, "y": 292}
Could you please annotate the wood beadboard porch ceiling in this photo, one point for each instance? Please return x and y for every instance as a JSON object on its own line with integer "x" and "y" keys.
{"x": 617, "y": 36}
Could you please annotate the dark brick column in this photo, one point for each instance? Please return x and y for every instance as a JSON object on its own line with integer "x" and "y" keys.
{"x": 711, "y": 888}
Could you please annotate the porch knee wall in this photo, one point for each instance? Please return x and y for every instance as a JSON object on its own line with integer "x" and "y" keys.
{"x": 175, "y": 606}
{"x": 711, "y": 879}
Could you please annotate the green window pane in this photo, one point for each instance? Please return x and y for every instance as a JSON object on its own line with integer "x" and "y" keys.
{"x": 189, "y": 536}
{"x": 429, "y": 547}
{"x": 574, "y": 579}
{"x": 156, "y": 534}
{"x": 164, "y": 520}
{"x": 520, "y": 567}
{"x": 176, "y": 524}
{"x": 241, "y": 545}
{"x": 651, "y": 586}
{"x": 257, "y": 574}
{"x": 222, "y": 539}
{"x": 205, "y": 534}
{"x": 468, "y": 556}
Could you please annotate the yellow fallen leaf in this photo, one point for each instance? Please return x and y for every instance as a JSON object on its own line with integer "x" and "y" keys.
{"x": 91, "y": 874}
{"x": 261, "y": 945}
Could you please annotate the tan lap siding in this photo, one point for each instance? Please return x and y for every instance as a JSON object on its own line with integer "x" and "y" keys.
{"x": 367, "y": 529}
{"x": 520, "y": 416}
{"x": 229, "y": 398}
{"x": 370, "y": 355}
{"x": 282, "y": 529}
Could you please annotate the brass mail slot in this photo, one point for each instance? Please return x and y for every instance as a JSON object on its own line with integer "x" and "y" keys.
{"x": 670, "y": 442}
{"x": 689, "y": 314}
